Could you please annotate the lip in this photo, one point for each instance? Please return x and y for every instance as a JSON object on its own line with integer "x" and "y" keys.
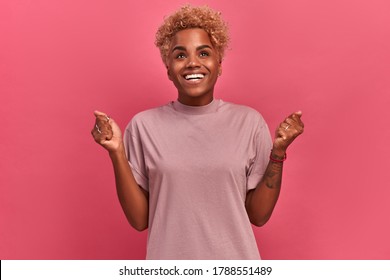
{"x": 194, "y": 81}
{"x": 193, "y": 73}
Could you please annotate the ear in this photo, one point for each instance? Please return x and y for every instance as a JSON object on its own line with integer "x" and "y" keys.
{"x": 220, "y": 69}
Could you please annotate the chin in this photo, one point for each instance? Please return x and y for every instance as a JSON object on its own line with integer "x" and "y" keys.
{"x": 196, "y": 98}
{"x": 196, "y": 95}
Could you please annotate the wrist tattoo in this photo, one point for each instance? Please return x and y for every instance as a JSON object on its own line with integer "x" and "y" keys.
{"x": 273, "y": 175}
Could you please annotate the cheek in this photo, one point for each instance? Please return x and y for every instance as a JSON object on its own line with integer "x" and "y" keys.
{"x": 171, "y": 72}
{"x": 213, "y": 67}
{"x": 175, "y": 68}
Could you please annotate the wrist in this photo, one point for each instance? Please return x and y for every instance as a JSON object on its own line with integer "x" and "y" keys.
{"x": 277, "y": 156}
{"x": 278, "y": 153}
{"x": 117, "y": 153}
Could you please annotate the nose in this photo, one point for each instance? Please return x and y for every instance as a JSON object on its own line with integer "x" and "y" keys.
{"x": 193, "y": 61}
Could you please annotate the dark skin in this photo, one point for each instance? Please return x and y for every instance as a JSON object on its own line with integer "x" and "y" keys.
{"x": 261, "y": 201}
{"x": 192, "y": 53}
{"x": 133, "y": 199}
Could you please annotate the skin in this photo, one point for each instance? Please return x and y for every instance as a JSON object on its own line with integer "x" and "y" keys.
{"x": 261, "y": 201}
{"x": 133, "y": 199}
{"x": 191, "y": 52}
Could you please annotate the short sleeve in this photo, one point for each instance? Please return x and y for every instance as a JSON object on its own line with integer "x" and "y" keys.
{"x": 135, "y": 155}
{"x": 263, "y": 146}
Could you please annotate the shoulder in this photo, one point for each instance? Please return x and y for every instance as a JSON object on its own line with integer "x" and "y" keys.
{"x": 241, "y": 111}
{"x": 147, "y": 117}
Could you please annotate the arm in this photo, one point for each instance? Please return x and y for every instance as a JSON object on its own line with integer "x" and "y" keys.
{"x": 261, "y": 201}
{"x": 133, "y": 199}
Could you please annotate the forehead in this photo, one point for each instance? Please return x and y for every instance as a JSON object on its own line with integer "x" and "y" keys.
{"x": 191, "y": 37}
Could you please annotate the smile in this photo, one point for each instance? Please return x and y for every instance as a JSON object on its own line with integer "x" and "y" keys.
{"x": 194, "y": 77}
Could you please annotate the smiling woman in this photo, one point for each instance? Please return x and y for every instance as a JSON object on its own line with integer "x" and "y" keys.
{"x": 193, "y": 66}
{"x": 197, "y": 171}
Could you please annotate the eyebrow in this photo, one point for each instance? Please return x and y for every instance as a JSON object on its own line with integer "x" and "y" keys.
{"x": 181, "y": 48}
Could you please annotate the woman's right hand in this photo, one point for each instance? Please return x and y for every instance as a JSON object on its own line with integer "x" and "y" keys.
{"x": 107, "y": 133}
{"x": 133, "y": 199}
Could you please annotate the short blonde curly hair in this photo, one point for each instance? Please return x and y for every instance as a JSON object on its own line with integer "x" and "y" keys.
{"x": 193, "y": 17}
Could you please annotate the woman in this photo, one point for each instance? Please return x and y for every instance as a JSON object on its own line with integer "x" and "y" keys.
{"x": 197, "y": 171}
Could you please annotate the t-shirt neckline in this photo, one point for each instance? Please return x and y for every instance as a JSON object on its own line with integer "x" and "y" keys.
{"x": 196, "y": 110}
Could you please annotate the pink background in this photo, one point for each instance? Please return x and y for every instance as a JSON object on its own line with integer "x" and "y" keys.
{"x": 60, "y": 60}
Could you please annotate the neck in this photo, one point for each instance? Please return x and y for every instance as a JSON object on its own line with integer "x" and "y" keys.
{"x": 195, "y": 101}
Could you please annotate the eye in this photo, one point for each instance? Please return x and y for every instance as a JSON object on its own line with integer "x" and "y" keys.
{"x": 204, "y": 53}
{"x": 180, "y": 56}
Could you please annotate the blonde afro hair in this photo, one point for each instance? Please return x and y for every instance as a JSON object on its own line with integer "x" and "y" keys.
{"x": 193, "y": 17}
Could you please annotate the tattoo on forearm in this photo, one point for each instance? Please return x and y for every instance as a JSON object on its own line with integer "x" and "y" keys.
{"x": 273, "y": 175}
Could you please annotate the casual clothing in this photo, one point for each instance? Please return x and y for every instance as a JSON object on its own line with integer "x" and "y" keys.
{"x": 197, "y": 163}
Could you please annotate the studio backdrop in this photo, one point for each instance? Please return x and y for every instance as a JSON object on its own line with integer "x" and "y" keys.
{"x": 61, "y": 60}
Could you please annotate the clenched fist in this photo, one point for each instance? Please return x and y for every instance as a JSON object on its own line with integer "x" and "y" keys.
{"x": 106, "y": 132}
{"x": 286, "y": 133}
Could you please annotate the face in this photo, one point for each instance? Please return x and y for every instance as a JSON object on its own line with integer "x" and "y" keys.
{"x": 193, "y": 66}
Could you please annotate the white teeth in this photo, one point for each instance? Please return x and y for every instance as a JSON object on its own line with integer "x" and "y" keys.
{"x": 194, "y": 76}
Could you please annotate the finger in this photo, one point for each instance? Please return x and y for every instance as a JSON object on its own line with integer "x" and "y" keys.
{"x": 289, "y": 121}
{"x": 293, "y": 124}
{"x": 281, "y": 132}
{"x": 103, "y": 121}
{"x": 98, "y": 113}
{"x": 97, "y": 136}
{"x": 299, "y": 124}
{"x": 97, "y": 131}
{"x": 299, "y": 113}
{"x": 109, "y": 133}
{"x": 284, "y": 125}
{"x": 102, "y": 116}
{"x": 295, "y": 119}
{"x": 98, "y": 128}
{"x": 105, "y": 131}
{"x": 110, "y": 121}
{"x": 101, "y": 138}
{"x": 294, "y": 129}
{"x": 290, "y": 126}
{"x": 297, "y": 116}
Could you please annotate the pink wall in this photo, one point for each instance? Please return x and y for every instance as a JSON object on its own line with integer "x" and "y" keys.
{"x": 60, "y": 60}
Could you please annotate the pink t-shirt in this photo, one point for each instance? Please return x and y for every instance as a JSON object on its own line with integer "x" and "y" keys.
{"x": 197, "y": 163}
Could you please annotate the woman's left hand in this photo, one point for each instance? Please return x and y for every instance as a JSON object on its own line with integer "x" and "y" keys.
{"x": 287, "y": 131}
